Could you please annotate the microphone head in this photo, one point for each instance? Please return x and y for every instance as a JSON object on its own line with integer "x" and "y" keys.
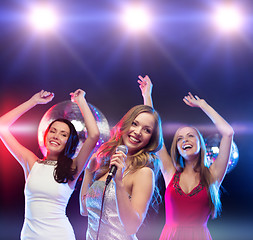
{"x": 122, "y": 148}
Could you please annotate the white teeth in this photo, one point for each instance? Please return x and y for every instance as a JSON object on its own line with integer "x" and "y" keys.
{"x": 134, "y": 139}
{"x": 53, "y": 142}
{"x": 187, "y": 146}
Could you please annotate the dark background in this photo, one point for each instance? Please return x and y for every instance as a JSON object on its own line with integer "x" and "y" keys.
{"x": 181, "y": 51}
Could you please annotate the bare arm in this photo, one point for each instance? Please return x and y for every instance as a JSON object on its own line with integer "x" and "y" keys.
{"x": 92, "y": 130}
{"x": 132, "y": 211}
{"x": 24, "y": 156}
{"x": 87, "y": 180}
{"x": 166, "y": 165}
{"x": 218, "y": 168}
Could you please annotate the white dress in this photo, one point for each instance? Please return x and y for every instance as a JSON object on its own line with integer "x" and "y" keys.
{"x": 45, "y": 206}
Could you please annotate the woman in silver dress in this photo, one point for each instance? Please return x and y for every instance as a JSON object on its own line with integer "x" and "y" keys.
{"x": 127, "y": 197}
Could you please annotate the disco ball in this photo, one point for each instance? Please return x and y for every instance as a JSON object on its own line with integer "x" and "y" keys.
{"x": 212, "y": 151}
{"x": 70, "y": 111}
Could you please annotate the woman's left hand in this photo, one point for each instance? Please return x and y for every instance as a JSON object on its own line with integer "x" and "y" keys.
{"x": 145, "y": 85}
{"x": 193, "y": 101}
{"x": 77, "y": 95}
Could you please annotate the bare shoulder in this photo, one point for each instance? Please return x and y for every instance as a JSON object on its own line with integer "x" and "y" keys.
{"x": 144, "y": 172}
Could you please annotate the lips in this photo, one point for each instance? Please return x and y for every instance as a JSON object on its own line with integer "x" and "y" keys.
{"x": 186, "y": 146}
{"x": 134, "y": 140}
{"x": 52, "y": 142}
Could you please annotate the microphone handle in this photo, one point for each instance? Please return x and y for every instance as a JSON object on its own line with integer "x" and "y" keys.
{"x": 113, "y": 169}
{"x": 111, "y": 174}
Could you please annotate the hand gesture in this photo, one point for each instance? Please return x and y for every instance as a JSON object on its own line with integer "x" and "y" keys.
{"x": 43, "y": 97}
{"x": 118, "y": 159}
{"x": 145, "y": 85}
{"x": 78, "y": 95}
{"x": 193, "y": 101}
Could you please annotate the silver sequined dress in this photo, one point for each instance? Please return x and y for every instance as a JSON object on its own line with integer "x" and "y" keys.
{"x": 111, "y": 228}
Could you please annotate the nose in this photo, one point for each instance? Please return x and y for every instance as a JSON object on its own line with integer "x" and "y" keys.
{"x": 55, "y": 136}
{"x": 137, "y": 131}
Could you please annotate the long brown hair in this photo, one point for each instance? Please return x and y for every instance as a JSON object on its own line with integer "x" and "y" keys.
{"x": 201, "y": 167}
{"x": 145, "y": 157}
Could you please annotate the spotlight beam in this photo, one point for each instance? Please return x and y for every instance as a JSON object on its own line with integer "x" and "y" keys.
{"x": 136, "y": 18}
{"x": 228, "y": 18}
{"x": 43, "y": 18}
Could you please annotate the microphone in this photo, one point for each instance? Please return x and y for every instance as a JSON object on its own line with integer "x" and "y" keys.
{"x": 120, "y": 148}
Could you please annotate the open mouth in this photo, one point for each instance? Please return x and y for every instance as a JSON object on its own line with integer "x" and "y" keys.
{"x": 135, "y": 140}
{"x": 54, "y": 143}
{"x": 187, "y": 146}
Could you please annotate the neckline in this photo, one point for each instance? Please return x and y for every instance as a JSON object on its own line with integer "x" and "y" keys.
{"x": 194, "y": 191}
{"x": 47, "y": 162}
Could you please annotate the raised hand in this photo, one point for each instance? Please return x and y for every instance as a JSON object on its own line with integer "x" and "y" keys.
{"x": 43, "y": 97}
{"x": 78, "y": 95}
{"x": 145, "y": 85}
{"x": 193, "y": 101}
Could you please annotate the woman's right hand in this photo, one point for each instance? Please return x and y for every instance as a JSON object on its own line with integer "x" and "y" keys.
{"x": 43, "y": 97}
{"x": 118, "y": 159}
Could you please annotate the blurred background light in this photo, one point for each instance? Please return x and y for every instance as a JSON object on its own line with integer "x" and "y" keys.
{"x": 43, "y": 18}
{"x": 228, "y": 18}
{"x": 136, "y": 18}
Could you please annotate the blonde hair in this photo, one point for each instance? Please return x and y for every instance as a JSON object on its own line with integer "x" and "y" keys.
{"x": 145, "y": 156}
{"x": 201, "y": 167}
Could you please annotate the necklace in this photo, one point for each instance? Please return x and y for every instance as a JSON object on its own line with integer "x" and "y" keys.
{"x": 48, "y": 162}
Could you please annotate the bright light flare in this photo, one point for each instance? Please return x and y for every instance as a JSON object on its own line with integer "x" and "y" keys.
{"x": 78, "y": 125}
{"x": 43, "y": 18}
{"x": 228, "y": 18}
{"x": 136, "y": 18}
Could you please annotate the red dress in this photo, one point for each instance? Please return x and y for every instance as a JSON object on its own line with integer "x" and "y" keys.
{"x": 186, "y": 214}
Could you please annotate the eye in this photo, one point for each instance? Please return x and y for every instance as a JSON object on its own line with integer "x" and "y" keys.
{"x": 179, "y": 139}
{"x": 147, "y": 130}
{"x": 134, "y": 124}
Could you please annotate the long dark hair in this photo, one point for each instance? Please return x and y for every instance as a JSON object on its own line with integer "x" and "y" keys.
{"x": 63, "y": 171}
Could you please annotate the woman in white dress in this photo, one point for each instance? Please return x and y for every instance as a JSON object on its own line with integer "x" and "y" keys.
{"x": 50, "y": 181}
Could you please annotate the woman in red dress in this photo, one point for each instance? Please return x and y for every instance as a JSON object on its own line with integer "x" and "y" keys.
{"x": 192, "y": 188}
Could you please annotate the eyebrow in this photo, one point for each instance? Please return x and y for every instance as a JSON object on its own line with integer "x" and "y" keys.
{"x": 62, "y": 131}
{"x": 145, "y": 126}
{"x": 187, "y": 134}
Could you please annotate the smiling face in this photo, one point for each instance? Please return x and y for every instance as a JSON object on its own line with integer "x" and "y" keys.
{"x": 188, "y": 143}
{"x": 56, "y": 139}
{"x": 139, "y": 133}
